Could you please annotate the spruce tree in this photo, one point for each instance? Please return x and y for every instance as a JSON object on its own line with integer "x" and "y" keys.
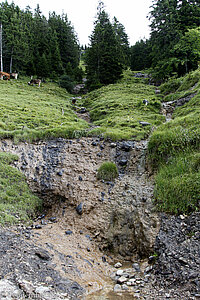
{"x": 102, "y": 57}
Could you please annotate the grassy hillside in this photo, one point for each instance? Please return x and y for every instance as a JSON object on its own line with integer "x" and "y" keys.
{"x": 31, "y": 113}
{"x": 174, "y": 149}
{"x": 118, "y": 109}
{"x": 17, "y": 203}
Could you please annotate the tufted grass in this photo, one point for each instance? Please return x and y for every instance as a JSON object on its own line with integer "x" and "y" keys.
{"x": 107, "y": 171}
{"x": 17, "y": 202}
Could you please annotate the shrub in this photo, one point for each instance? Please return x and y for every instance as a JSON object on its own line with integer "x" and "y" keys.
{"x": 107, "y": 171}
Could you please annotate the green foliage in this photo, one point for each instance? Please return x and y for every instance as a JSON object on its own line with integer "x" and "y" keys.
{"x": 173, "y": 47}
{"x": 17, "y": 203}
{"x": 32, "y": 113}
{"x": 178, "y": 184}
{"x": 34, "y": 45}
{"x": 118, "y": 109}
{"x": 103, "y": 61}
{"x": 107, "y": 171}
{"x": 67, "y": 83}
{"x": 140, "y": 56}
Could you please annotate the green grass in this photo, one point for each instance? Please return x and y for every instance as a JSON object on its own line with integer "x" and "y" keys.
{"x": 173, "y": 150}
{"x": 107, "y": 171}
{"x": 117, "y": 109}
{"x": 32, "y": 113}
{"x": 17, "y": 203}
{"x": 178, "y": 184}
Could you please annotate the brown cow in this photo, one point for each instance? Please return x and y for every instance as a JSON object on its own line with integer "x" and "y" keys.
{"x": 34, "y": 81}
{"x": 4, "y": 75}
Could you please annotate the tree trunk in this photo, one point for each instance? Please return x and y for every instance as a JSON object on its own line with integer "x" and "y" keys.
{"x": 1, "y": 47}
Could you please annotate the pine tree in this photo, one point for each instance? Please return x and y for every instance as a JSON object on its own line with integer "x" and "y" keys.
{"x": 123, "y": 43}
{"x": 102, "y": 57}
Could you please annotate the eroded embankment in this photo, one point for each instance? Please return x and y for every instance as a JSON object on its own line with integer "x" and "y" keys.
{"x": 87, "y": 220}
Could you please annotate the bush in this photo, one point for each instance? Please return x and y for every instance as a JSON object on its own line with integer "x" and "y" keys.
{"x": 107, "y": 171}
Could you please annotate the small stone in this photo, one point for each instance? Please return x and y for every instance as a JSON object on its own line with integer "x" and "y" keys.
{"x": 53, "y": 219}
{"x": 118, "y": 265}
{"x": 68, "y": 232}
{"x": 94, "y": 144}
{"x": 144, "y": 123}
{"x": 80, "y": 178}
{"x": 122, "y": 279}
{"x": 136, "y": 267}
{"x": 88, "y": 249}
{"x": 123, "y": 162}
{"x": 117, "y": 288}
{"x": 124, "y": 287}
{"x": 119, "y": 272}
{"x": 42, "y": 289}
{"x": 38, "y": 226}
{"x": 60, "y": 173}
{"x": 43, "y": 254}
{"x": 113, "y": 145}
{"x": 126, "y": 146}
{"x": 148, "y": 269}
{"x": 103, "y": 259}
{"x": 167, "y": 295}
{"x": 43, "y": 222}
{"x": 79, "y": 208}
{"x": 82, "y": 110}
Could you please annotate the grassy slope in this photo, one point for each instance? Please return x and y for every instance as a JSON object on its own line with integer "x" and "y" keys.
{"x": 174, "y": 149}
{"x": 118, "y": 108}
{"x": 17, "y": 203}
{"x": 31, "y": 113}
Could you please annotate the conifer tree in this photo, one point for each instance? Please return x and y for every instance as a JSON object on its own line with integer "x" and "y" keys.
{"x": 102, "y": 57}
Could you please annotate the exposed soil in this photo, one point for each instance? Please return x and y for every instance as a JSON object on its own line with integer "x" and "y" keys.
{"x": 71, "y": 250}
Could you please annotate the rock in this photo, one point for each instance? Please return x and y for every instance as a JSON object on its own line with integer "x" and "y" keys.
{"x": 103, "y": 259}
{"x": 124, "y": 287}
{"x": 80, "y": 178}
{"x": 83, "y": 110}
{"x": 123, "y": 162}
{"x": 122, "y": 279}
{"x": 136, "y": 266}
{"x": 68, "y": 232}
{"x": 53, "y": 219}
{"x": 79, "y": 209}
{"x": 117, "y": 288}
{"x": 127, "y": 146}
{"x": 43, "y": 254}
{"x": 60, "y": 173}
{"x": 151, "y": 259}
{"x": 118, "y": 265}
{"x": 94, "y": 143}
{"x": 148, "y": 269}
{"x": 38, "y": 226}
{"x": 119, "y": 272}
{"x": 144, "y": 123}
{"x": 113, "y": 145}
{"x": 42, "y": 289}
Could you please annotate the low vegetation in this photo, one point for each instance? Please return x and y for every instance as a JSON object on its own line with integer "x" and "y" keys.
{"x": 119, "y": 112}
{"x": 107, "y": 171}
{"x": 31, "y": 113}
{"x": 173, "y": 149}
{"x": 17, "y": 203}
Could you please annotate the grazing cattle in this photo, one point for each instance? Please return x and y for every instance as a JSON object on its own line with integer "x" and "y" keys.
{"x": 34, "y": 81}
{"x": 13, "y": 75}
{"x": 4, "y": 75}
